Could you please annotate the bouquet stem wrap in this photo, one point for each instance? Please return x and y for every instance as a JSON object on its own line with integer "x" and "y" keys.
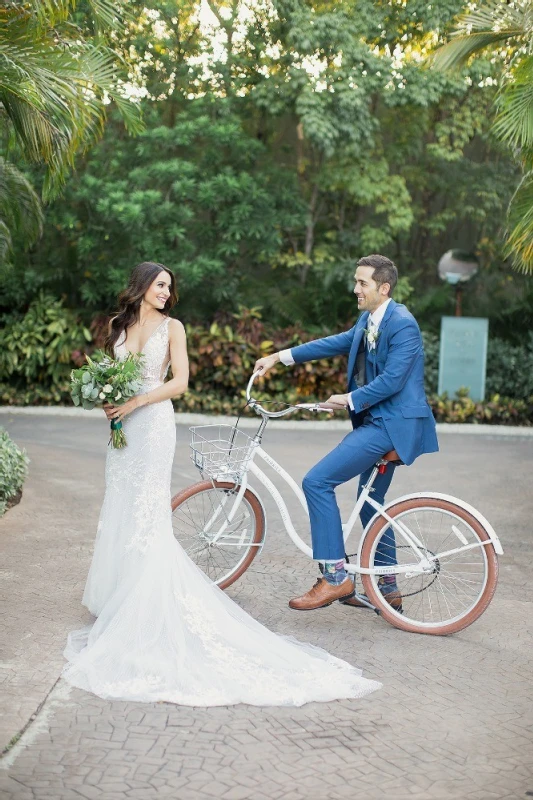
{"x": 117, "y": 438}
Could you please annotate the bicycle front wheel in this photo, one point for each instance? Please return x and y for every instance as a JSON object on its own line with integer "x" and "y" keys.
{"x": 201, "y": 511}
{"x": 459, "y": 586}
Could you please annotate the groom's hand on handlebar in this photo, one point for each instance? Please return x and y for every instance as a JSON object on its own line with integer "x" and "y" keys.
{"x": 337, "y": 402}
{"x": 264, "y": 364}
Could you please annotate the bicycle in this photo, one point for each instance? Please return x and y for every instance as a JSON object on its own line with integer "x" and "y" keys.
{"x": 447, "y": 551}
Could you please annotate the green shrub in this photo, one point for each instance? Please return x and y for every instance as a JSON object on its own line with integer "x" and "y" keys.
{"x": 510, "y": 368}
{"x": 40, "y": 347}
{"x": 496, "y": 411}
{"x": 13, "y": 470}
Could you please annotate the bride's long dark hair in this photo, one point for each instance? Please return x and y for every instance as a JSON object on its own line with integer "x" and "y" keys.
{"x": 129, "y": 301}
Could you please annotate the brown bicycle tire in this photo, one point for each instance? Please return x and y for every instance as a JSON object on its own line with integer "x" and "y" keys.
{"x": 376, "y": 598}
{"x": 255, "y": 505}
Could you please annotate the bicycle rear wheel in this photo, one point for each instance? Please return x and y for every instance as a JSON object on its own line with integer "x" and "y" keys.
{"x": 459, "y": 587}
{"x": 200, "y": 510}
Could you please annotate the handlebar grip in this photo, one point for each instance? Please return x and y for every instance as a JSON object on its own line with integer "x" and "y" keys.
{"x": 250, "y": 384}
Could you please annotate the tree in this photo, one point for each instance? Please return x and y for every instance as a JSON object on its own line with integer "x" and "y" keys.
{"x": 506, "y": 29}
{"x": 58, "y": 72}
{"x": 282, "y": 144}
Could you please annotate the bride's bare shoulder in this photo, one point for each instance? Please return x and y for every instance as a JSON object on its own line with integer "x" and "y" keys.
{"x": 176, "y": 327}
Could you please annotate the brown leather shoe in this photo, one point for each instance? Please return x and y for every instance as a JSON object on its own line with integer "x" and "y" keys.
{"x": 322, "y": 594}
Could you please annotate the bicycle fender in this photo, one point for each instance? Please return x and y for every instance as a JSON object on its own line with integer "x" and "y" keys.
{"x": 438, "y": 496}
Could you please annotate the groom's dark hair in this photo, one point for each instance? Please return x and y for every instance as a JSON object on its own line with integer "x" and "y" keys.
{"x": 385, "y": 271}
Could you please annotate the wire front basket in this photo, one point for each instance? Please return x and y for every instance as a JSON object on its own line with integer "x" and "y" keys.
{"x": 220, "y": 451}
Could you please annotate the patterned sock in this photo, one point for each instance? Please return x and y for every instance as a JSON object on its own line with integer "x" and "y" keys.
{"x": 333, "y": 571}
{"x": 387, "y": 583}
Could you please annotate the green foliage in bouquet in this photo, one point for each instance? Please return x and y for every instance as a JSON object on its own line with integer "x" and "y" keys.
{"x": 13, "y": 471}
{"x": 106, "y": 380}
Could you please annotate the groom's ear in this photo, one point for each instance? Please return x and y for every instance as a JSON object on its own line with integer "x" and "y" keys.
{"x": 385, "y": 289}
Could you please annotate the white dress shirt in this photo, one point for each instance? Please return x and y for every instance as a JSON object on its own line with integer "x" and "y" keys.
{"x": 377, "y": 315}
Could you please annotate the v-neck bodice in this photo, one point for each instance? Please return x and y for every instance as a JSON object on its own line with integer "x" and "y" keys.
{"x": 155, "y": 353}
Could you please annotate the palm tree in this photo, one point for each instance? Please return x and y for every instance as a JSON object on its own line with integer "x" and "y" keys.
{"x": 58, "y": 73}
{"x": 508, "y": 29}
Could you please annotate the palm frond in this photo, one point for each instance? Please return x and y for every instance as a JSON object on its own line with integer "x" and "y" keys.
{"x": 106, "y": 14}
{"x": 493, "y": 22}
{"x": 494, "y": 15}
{"x": 20, "y": 209}
{"x": 519, "y": 238}
{"x": 514, "y": 123}
{"x": 455, "y": 54}
{"x": 50, "y": 12}
{"x": 54, "y": 92}
{"x": 6, "y": 241}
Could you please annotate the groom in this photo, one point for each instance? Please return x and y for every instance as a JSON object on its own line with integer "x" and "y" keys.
{"x": 389, "y": 411}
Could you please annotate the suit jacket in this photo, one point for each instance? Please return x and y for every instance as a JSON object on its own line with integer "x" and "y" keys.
{"x": 396, "y": 391}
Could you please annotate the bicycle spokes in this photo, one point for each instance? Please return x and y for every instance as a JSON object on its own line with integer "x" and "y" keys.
{"x": 450, "y": 578}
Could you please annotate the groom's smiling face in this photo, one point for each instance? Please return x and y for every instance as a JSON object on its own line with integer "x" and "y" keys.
{"x": 369, "y": 294}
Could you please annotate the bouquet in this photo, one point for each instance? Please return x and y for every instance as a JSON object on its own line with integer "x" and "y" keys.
{"x": 106, "y": 380}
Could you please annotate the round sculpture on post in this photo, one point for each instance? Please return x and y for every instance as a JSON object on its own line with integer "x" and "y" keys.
{"x": 456, "y": 267}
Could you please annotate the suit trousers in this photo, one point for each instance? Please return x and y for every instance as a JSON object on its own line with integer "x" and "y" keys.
{"x": 355, "y": 455}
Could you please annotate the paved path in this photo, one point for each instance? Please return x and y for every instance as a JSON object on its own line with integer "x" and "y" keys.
{"x": 455, "y": 716}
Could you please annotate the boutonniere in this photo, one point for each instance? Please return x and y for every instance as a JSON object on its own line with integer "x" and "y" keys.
{"x": 371, "y": 337}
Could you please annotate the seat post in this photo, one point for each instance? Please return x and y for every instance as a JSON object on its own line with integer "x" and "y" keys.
{"x": 372, "y": 478}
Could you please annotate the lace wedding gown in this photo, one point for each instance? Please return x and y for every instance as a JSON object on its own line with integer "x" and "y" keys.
{"x": 163, "y": 630}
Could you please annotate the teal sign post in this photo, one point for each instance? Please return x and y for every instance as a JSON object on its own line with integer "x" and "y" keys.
{"x": 463, "y": 355}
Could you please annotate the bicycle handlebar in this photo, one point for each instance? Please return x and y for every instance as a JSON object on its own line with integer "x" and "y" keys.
{"x": 258, "y": 408}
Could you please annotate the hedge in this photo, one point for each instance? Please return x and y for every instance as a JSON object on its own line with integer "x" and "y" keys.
{"x": 222, "y": 357}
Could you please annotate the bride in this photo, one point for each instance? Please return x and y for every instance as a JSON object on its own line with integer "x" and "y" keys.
{"x": 163, "y": 630}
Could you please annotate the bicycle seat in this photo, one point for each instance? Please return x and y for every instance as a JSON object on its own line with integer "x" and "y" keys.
{"x": 392, "y": 457}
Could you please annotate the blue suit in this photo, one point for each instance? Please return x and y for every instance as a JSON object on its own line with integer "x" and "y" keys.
{"x": 390, "y": 412}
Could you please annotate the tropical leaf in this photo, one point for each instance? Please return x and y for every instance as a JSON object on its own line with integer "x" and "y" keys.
{"x": 55, "y": 87}
{"x": 20, "y": 209}
{"x": 491, "y": 24}
{"x": 514, "y": 123}
{"x": 519, "y": 240}
{"x": 496, "y": 15}
{"x": 455, "y": 54}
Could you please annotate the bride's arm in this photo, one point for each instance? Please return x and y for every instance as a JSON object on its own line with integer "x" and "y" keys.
{"x": 173, "y": 388}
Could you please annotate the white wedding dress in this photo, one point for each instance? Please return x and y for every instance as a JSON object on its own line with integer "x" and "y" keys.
{"x": 163, "y": 630}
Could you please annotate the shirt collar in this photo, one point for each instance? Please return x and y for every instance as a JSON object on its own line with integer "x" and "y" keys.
{"x": 376, "y": 317}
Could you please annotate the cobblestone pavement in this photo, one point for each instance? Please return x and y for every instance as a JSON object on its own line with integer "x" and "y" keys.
{"x": 455, "y": 716}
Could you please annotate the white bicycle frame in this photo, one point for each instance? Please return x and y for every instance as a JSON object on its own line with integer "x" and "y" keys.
{"x": 423, "y": 564}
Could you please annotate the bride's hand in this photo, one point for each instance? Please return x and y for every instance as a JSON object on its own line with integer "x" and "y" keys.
{"x": 108, "y": 409}
{"x": 119, "y": 412}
